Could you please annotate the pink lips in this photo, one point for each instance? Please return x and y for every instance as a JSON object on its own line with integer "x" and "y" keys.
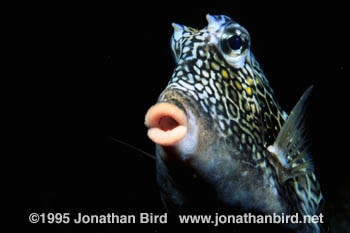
{"x": 167, "y": 124}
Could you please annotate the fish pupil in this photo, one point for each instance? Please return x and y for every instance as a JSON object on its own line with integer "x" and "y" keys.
{"x": 234, "y": 42}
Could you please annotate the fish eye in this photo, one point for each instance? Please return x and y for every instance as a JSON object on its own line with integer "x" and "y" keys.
{"x": 234, "y": 42}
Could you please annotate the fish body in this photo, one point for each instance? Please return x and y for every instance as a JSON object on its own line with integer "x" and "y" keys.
{"x": 223, "y": 141}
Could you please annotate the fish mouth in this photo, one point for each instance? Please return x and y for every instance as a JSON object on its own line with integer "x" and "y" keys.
{"x": 167, "y": 124}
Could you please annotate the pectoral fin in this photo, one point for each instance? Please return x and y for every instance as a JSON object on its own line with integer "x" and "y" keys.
{"x": 291, "y": 153}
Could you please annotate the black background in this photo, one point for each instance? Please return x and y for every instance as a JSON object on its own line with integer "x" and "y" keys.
{"x": 87, "y": 74}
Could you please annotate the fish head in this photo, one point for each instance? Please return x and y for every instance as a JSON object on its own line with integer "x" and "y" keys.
{"x": 207, "y": 119}
{"x": 206, "y": 94}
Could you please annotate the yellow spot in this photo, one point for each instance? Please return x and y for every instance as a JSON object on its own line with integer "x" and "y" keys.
{"x": 238, "y": 85}
{"x": 246, "y": 106}
{"x": 252, "y": 106}
{"x": 224, "y": 73}
{"x": 250, "y": 81}
{"x": 248, "y": 90}
{"x": 215, "y": 66}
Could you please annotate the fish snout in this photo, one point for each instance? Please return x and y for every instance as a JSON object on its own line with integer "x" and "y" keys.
{"x": 167, "y": 124}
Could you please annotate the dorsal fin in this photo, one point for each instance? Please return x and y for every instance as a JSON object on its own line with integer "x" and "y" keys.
{"x": 291, "y": 150}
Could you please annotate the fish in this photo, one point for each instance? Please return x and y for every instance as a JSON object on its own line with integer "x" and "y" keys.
{"x": 223, "y": 142}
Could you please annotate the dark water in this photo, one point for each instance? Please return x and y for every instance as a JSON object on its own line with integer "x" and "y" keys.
{"x": 88, "y": 74}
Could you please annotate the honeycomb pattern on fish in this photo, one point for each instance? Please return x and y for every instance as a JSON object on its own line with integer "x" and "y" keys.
{"x": 239, "y": 99}
{"x": 232, "y": 91}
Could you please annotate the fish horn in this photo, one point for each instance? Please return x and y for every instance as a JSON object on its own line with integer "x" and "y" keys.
{"x": 178, "y": 29}
{"x": 210, "y": 19}
{"x": 213, "y": 23}
{"x": 167, "y": 124}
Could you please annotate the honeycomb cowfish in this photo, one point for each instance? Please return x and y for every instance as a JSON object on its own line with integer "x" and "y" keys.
{"x": 223, "y": 143}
